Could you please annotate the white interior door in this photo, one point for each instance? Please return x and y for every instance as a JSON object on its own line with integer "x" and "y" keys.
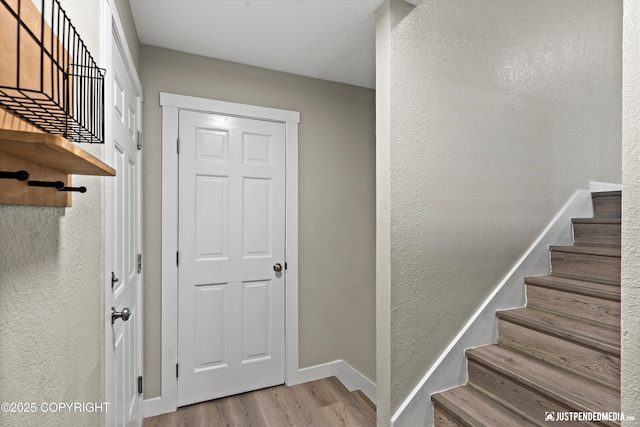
{"x": 123, "y": 335}
{"x": 231, "y": 321}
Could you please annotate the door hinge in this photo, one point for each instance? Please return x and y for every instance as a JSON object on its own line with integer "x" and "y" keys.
{"x": 114, "y": 279}
{"x": 139, "y": 140}
{"x": 178, "y": 258}
{"x": 139, "y": 263}
{"x": 140, "y": 384}
{"x": 178, "y": 145}
{"x": 176, "y": 370}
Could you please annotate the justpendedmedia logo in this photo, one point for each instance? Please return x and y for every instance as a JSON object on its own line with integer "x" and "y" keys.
{"x": 587, "y": 416}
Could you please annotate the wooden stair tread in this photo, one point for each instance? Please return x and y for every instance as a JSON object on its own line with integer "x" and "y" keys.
{"x": 606, "y": 193}
{"x": 587, "y": 334}
{"x": 576, "y": 286}
{"x": 588, "y": 250}
{"x": 597, "y": 220}
{"x": 570, "y": 389}
{"x": 473, "y": 408}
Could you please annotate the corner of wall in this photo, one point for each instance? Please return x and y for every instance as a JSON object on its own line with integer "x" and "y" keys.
{"x": 630, "y": 322}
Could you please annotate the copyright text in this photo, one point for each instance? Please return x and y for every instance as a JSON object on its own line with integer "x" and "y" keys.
{"x": 53, "y": 407}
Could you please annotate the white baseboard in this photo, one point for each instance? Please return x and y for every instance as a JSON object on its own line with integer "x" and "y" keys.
{"x": 450, "y": 370}
{"x": 152, "y": 407}
{"x": 354, "y": 380}
{"x": 346, "y": 374}
{"x": 350, "y": 377}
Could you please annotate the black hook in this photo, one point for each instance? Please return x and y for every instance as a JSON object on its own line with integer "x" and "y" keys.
{"x": 57, "y": 184}
{"x": 51, "y": 184}
{"x": 78, "y": 189}
{"x": 19, "y": 175}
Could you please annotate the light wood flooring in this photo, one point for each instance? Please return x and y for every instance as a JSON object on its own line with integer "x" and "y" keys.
{"x": 325, "y": 403}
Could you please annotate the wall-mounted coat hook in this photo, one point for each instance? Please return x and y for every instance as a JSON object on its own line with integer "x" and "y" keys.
{"x": 19, "y": 175}
{"x": 78, "y": 189}
{"x": 52, "y": 184}
{"x": 59, "y": 185}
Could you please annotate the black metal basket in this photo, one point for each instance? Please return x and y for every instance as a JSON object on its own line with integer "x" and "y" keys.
{"x": 47, "y": 75}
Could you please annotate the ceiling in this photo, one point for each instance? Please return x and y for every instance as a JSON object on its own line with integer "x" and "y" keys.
{"x": 325, "y": 39}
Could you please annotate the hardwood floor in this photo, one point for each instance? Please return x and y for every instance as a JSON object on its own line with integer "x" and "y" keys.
{"x": 325, "y": 403}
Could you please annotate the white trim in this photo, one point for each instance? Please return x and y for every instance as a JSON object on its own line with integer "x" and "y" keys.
{"x": 107, "y": 192}
{"x": 350, "y": 377}
{"x": 316, "y": 372}
{"x": 124, "y": 48}
{"x": 291, "y": 247}
{"x": 354, "y": 380}
{"x": 595, "y": 186}
{"x": 450, "y": 369}
{"x": 228, "y": 108}
{"x": 153, "y": 407}
{"x": 169, "y": 385}
{"x": 171, "y": 104}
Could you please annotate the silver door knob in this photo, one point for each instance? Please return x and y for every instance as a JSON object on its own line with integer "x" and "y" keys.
{"x": 277, "y": 268}
{"x": 124, "y": 314}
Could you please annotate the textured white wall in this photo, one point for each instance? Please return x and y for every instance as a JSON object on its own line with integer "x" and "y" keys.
{"x": 388, "y": 15}
{"x": 500, "y": 110}
{"x": 630, "y": 212}
{"x": 50, "y": 290}
{"x": 336, "y": 200}
{"x": 383, "y": 214}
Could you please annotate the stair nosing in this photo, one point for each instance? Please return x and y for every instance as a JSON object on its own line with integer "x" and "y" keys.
{"x": 576, "y": 277}
{"x": 598, "y": 220}
{"x": 524, "y": 378}
{"x": 567, "y": 284}
{"x": 611, "y": 193}
{"x": 505, "y": 403}
{"x": 595, "y": 250}
{"x": 516, "y": 316}
{"x": 466, "y": 418}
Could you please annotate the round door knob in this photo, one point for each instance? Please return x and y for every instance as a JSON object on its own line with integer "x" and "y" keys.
{"x": 277, "y": 268}
{"x": 124, "y": 314}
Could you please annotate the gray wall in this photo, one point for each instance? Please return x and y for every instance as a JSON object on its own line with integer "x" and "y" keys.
{"x": 51, "y": 340}
{"x": 630, "y": 210}
{"x": 499, "y": 111}
{"x": 336, "y": 200}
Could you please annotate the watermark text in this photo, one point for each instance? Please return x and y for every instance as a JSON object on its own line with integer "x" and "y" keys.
{"x": 54, "y": 407}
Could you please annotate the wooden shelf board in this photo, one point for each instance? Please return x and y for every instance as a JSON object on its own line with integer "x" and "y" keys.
{"x": 52, "y": 151}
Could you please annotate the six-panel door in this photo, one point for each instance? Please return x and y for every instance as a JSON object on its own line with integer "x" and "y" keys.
{"x": 231, "y": 234}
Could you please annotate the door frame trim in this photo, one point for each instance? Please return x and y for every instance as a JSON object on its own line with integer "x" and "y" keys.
{"x": 171, "y": 105}
{"x": 113, "y": 37}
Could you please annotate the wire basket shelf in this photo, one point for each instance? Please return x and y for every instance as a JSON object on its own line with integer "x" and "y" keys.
{"x": 47, "y": 75}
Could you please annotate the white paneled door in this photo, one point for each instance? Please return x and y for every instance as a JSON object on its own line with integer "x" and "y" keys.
{"x": 123, "y": 333}
{"x": 231, "y": 321}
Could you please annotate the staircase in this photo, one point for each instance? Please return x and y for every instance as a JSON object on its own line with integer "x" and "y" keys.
{"x": 560, "y": 353}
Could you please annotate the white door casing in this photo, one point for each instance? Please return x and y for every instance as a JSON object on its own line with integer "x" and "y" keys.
{"x": 231, "y": 241}
{"x": 123, "y": 234}
{"x": 172, "y": 105}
